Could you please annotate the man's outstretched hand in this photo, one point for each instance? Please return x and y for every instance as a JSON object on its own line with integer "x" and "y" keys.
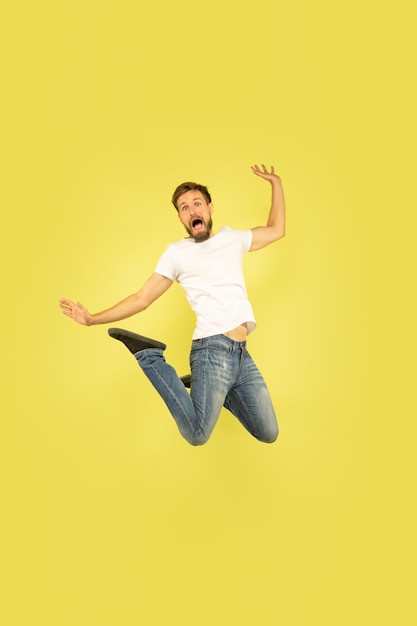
{"x": 263, "y": 173}
{"x": 76, "y": 311}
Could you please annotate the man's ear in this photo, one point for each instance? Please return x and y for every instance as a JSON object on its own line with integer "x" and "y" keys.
{"x": 211, "y": 207}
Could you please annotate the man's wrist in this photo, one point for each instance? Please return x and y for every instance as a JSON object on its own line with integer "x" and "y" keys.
{"x": 91, "y": 320}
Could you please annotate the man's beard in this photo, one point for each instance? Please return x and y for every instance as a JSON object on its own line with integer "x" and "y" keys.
{"x": 202, "y": 235}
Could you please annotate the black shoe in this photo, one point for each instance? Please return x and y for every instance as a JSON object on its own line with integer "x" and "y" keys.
{"x": 134, "y": 342}
{"x": 186, "y": 380}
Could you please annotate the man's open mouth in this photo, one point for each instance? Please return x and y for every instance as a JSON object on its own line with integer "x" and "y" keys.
{"x": 197, "y": 222}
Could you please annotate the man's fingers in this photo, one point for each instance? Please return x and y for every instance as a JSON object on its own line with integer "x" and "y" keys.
{"x": 67, "y": 307}
{"x": 264, "y": 173}
{"x": 65, "y": 302}
{"x": 264, "y": 169}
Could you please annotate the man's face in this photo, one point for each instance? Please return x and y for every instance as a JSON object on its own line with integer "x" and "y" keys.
{"x": 195, "y": 214}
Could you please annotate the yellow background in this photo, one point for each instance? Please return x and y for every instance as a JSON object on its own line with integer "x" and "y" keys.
{"x": 109, "y": 517}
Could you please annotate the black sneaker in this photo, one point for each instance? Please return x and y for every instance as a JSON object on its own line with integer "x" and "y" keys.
{"x": 134, "y": 342}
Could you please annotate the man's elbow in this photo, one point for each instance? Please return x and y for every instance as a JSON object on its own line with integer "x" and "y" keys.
{"x": 279, "y": 233}
{"x": 140, "y": 302}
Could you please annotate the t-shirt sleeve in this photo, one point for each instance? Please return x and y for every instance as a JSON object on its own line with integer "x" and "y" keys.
{"x": 166, "y": 265}
{"x": 246, "y": 239}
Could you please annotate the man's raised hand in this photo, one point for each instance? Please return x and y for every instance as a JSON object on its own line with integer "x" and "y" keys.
{"x": 263, "y": 173}
{"x": 76, "y": 311}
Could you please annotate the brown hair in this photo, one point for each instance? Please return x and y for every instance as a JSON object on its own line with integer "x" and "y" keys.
{"x": 184, "y": 187}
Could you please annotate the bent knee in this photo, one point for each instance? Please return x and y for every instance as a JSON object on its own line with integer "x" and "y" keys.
{"x": 270, "y": 436}
{"x": 198, "y": 438}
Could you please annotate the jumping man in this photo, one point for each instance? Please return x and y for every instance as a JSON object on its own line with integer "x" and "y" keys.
{"x": 208, "y": 266}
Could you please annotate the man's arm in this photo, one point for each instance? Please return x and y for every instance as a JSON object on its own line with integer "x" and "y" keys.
{"x": 154, "y": 287}
{"x": 275, "y": 228}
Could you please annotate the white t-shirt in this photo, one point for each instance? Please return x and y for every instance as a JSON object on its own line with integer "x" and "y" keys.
{"x": 210, "y": 272}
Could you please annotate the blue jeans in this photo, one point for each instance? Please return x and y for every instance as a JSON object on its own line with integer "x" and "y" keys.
{"x": 222, "y": 374}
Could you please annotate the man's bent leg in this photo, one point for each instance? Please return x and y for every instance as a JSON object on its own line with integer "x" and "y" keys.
{"x": 195, "y": 414}
{"x": 165, "y": 380}
{"x": 250, "y": 402}
{"x": 214, "y": 363}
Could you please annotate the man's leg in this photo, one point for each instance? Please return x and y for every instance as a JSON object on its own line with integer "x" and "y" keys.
{"x": 195, "y": 414}
{"x": 250, "y": 402}
{"x": 165, "y": 380}
{"x": 213, "y": 370}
